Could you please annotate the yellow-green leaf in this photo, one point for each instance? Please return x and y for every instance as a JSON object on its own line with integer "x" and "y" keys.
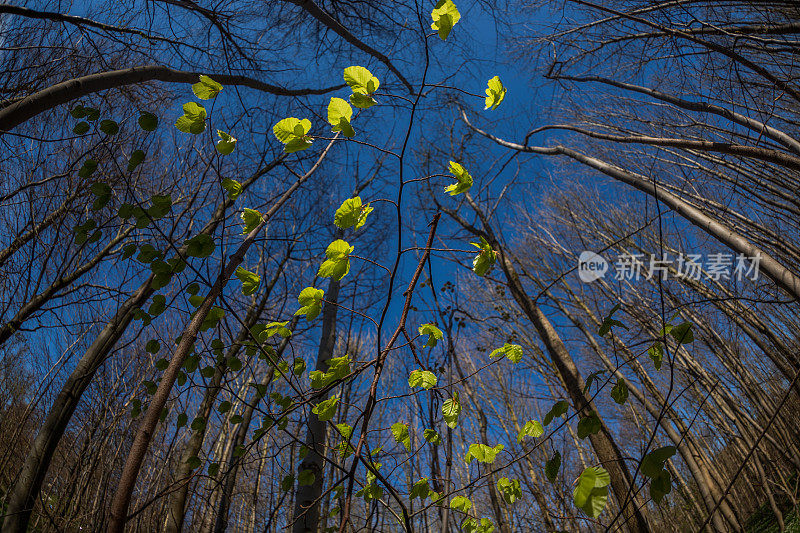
{"x": 193, "y": 119}
{"x": 361, "y": 80}
{"x": 339, "y": 115}
{"x": 206, "y": 88}
{"x": 226, "y": 143}
{"x": 495, "y": 93}
{"x": 351, "y": 213}
{"x": 337, "y": 264}
{"x": 445, "y": 15}
{"x": 464, "y": 180}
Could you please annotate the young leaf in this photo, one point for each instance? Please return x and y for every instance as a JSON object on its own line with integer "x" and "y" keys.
{"x": 292, "y": 133}
{"x": 653, "y": 462}
{"x": 485, "y": 260}
{"x": 589, "y": 425}
{"x": 420, "y": 489}
{"x": 327, "y": 409}
{"x": 201, "y": 245}
{"x": 148, "y": 121}
{"x": 401, "y": 435}
{"x": 251, "y": 219}
{"x": 461, "y": 503}
{"x": 431, "y": 436}
{"x": 591, "y": 492}
{"x": 483, "y": 453}
{"x": 656, "y": 353}
{"x": 109, "y": 127}
{"x": 306, "y": 477}
{"x": 232, "y": 187}
{"x": 620, "y": 392}
{"x": 136, "y": 159}
{"x": 609, "y": 322}
{"x": 422, "y": 378}
{"x": 226, "y": 143}
{"x": 278, "y": 328}
{"x": 337, "y": 264}
{"x": 206, "y": 88}
{"x": 513, "y": 352}
{"x": 339, "y": 115}
{"x": 683, "y": 333}
{"x": 510, "y": 489}
{"x": 250, "y": 281}
{"x": 451, "y": 408}
{"x": 351, "y": 213}
{"x": 361, "y": 80}
{"x": 193, "y": 119}
{"x": 445, "y": 15}
{"x": 495, "y": 93}
{"x": 310, "y": 301}
{"x": 463, "y": 180}
{"x": 552, "y": 466}
{"x": 434, "y": 334}
{"x": 558, "y": 409}
{"x": 660, "y": 486}
{"x": 81, "y": 128}
{"x": 530, "y": 429}
{"x": 362, "y": 101}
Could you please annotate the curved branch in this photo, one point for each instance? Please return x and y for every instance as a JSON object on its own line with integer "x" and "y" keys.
{"x": 779, "y": 274}
{"x": 315, "y": 11}
{"x": 61, "y": 93}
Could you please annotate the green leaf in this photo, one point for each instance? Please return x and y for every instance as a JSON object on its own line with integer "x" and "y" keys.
{"x": 420, "y": 489}
{"x": 81, "y": 127}
{"x": 109, "y": 127}
{"x": 513, "y": 352}
{"x": 422, "y": 378}
{"x": 495, "y": 93}
{"x": 620, "y": 391}
{"x": 471, "y": 525}
{"x": 558, "y": 409}
{"x": 337, "y": 264}
{"x": 463, "y": 180}
{"x": 461, "y": 503}
{"x": 660, "y": 486}
{"x": 683, "y": 333}
{"x": 193, "y": 462}
{"x": 338, "y": 368}
{"x": 148, "y": 121}
{"x": 530, "y": 429}
{"x": 201, "y": 245}
{"x": 351, "y": 213}
{"x": 591, "y": 492}
{"x": 434, "y": 334}
{"x": 451, "y": 408}
{"x": 78, "y": 112}
{"x": 431, "y": 436}
{"x": 160, "y": 206}
{"x": 198, "y": 424}
{"x": 182, "y": 420}
{"x": 653, "y": 462}
{"x": 485, "y": 260}
{"x": 88, "y": 168}
{"x": 232, "y": 187}
{"x": 250, "y": 220}
{"x": 136, "y": 159}
{"x": 306, "y": 477}
{"x": 656, "y": 353}
{"x": 277, "y": 328}
{"x": 510, "y": 489}
{"x": 445, "y": 15}
{"x": 292, "y": 132}
{"x": 287, "y": 483}
{"x": 589, "y": 425}
{"x": 482, "y": 453}
{"x": 591, "y": 379}
{"x": 609, "y": 322}
{"x": 250, "y": 281}
{"x": 206, "y": 88}
{"x": 552, "y": 466}
{"x": 401, "y": 435}
{"x": 158, "y": 306}
{"x": 224, "y": 407}
{"x": 226, "y": 143}
{"x": 361, "y": 80}
{"x": 362, "y": 101}
{"x": 193, "y": 119}
{"x": 327, "y": 409}
{"x": 339, "y": 115}
{"x": 310, "y": 300}
{"x": 153, "y": 346}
